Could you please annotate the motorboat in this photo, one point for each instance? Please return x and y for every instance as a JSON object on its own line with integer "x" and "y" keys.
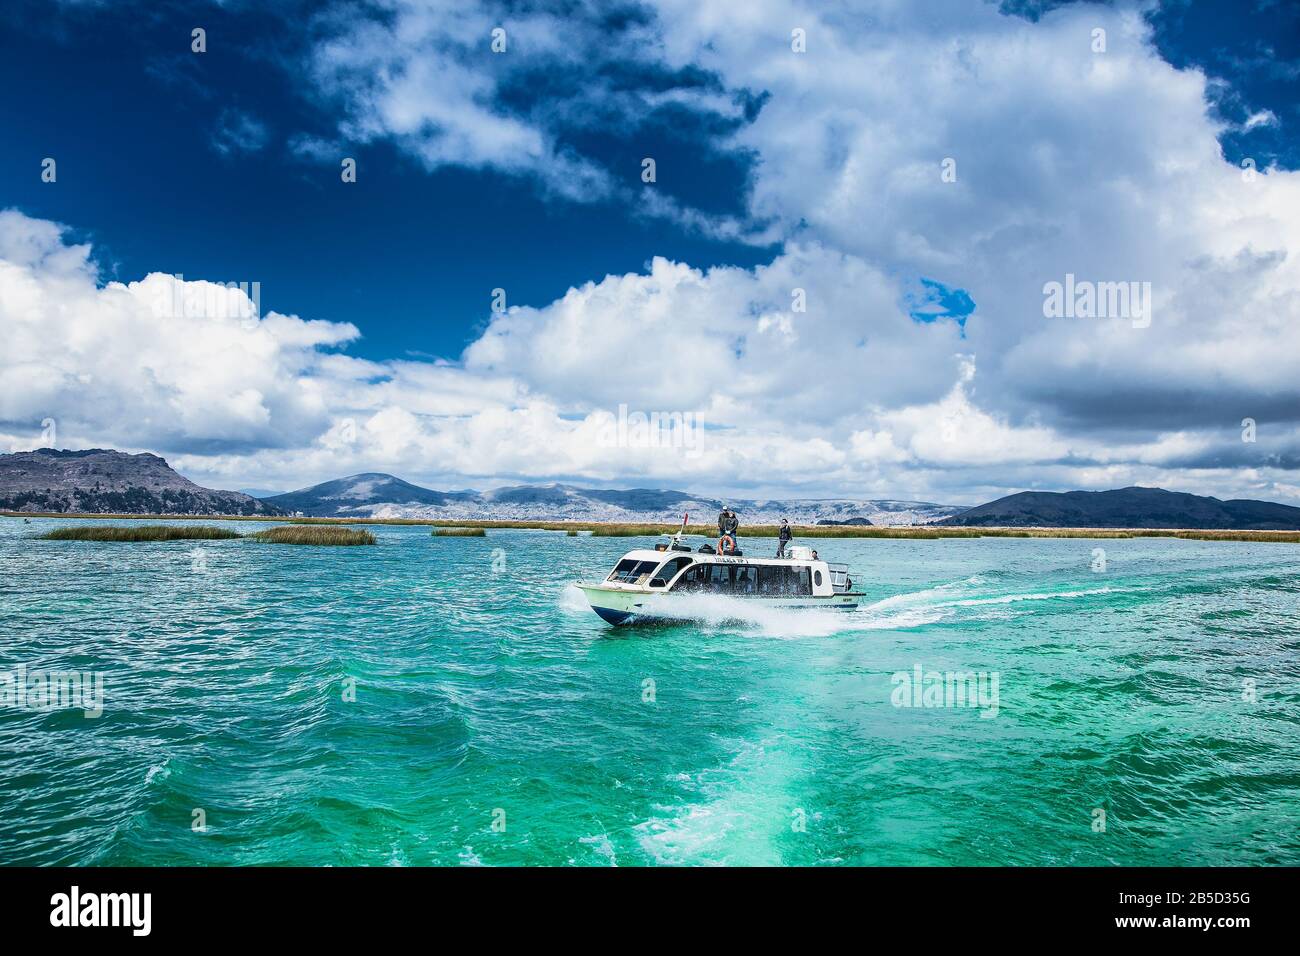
{"x": 666, "y": 582}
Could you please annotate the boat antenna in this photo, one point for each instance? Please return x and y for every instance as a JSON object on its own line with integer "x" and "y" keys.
{"x": 676, "y": 537}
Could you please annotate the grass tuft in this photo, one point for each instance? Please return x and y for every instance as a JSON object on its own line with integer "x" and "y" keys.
{"x": 314, "y": 534}
{"x": 143, "y": 532}
{"x": 458, "y": 533}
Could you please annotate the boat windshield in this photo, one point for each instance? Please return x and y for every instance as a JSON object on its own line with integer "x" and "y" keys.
{"x": 631, "y": 571}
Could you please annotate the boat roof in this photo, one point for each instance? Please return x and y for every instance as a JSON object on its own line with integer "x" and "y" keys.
{"x": 649, "y": 554}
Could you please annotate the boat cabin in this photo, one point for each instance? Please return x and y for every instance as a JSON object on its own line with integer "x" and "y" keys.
{"x": 694, "y": 573}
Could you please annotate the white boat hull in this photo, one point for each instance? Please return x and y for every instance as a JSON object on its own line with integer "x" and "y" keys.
{"x": 625, "y": 605}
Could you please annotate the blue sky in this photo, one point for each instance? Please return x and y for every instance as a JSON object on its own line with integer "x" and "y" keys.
{"x": 153, "y": 168}
{"x": 148, "y": 170}
{"x": 775, "y": 171}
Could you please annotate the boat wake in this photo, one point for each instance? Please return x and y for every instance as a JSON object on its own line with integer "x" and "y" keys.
{"x": 944, "y": 601}
{"x": 953, "y": 600}
{"x": 732, "y": 814}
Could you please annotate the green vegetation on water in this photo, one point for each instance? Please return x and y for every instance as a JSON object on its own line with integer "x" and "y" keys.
{"x": 143, "y": 532}
{"x": 615, "y": 530}
{"x": 937, "y": 531}
{"x": 347, "y": 521}
{"x": 301, "y": 534}
{"x": 623, "y": 530}
{"x": 458, "y": 532}
{"x": 285, "y": 534}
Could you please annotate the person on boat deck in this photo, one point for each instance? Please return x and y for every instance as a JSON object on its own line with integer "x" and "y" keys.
{"x": 783, "y": 538}
{"x": 728, "y": 525}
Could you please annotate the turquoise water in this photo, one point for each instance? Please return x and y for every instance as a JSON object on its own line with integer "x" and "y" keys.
{"x": 488, "y": 694}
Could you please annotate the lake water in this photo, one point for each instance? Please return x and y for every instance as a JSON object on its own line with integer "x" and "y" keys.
{"x": 1141, "y": 714}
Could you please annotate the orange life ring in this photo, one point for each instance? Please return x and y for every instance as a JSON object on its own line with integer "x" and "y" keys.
{"x": 726, "y": 543}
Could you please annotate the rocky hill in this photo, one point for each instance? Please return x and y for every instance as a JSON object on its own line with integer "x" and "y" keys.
{"x": 1129, "y": 508}
{"x": 101, "y": 481}
{"x": 358, "y": 494}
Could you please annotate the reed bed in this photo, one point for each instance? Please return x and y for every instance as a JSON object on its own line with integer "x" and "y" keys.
{"x": 304, "y": 534}
{"x": 616, "y": 530}
{"x": 1292, "y": 537}
{"x": 352, "y": 520}
{"x": 799, "y": 531}
{"x": 520, "y": 525}
{"x": 458, "y": 532}
{"x": 934, "y": 532}
{"x": 122, "y": 516}
{"x": 622, "y": 530}
{"x": 144, "y": 532}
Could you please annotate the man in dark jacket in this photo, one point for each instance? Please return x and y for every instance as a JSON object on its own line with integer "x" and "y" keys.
{"x": 783, "y": 538}
{"x": 728, "y": 525}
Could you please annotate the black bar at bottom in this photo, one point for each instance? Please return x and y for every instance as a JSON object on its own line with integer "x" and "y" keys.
{"x": 334, "y": 905}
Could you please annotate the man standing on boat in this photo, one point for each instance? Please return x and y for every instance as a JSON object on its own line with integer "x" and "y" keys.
{"x": 783, "y": 538}
{"x": 728, "y": 525}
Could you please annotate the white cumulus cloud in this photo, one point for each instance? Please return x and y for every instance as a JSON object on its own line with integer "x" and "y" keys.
{"x": 1068, "y": 161}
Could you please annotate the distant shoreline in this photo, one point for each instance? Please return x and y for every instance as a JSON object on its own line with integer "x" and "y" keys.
{"x": 633, "y": 529}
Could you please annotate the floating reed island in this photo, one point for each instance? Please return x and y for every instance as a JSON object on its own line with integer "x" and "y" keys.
{"x": 314, "y": 534}
{"x": 285, "y": 534}
{"x": 143, "y": 532}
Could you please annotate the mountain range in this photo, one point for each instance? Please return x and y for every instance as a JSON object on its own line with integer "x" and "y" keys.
{"x": 383, "y": 496}
{"x": 102, "y": 481}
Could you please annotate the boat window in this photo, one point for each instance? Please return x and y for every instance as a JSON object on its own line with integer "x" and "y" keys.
{"x": 693, "y": 579}
{"x": 745, "y": 581}
{"x": 620, "y": 569}
{"x": 802, "y": 585}
{"x": 817, "y": 578}
{"x": 782, "y": 580}
{"x": 707, "y": 578}
{"x": 629, "y": 571}
{"x": 670, "y": 568}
